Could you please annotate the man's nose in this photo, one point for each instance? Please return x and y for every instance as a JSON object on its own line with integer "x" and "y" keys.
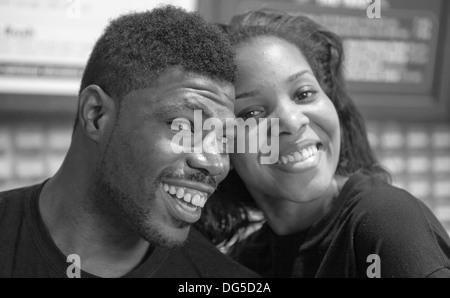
{"x": 210, "y": 158}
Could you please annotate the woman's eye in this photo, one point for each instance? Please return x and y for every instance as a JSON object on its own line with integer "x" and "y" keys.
{"x": 180, "y": 124}
{"x": 250, "y": 114}
{"x": 302, "y": 95}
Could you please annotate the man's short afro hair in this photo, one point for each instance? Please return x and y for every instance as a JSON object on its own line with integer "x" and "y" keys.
{"x": 135, "y": 48}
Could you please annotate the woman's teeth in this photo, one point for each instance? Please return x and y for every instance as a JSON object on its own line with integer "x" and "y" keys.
{"x": 195, "y": 197}
{"x": 300, "y": 155}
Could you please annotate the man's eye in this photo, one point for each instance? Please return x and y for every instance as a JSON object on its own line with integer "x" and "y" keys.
{"x": 250, "y": 114}
{"x": 181, "y": 124}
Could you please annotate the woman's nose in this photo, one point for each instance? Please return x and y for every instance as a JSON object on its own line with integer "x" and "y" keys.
{"x": 292, "y": 117}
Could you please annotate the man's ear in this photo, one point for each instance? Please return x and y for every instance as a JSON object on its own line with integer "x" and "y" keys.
{"x": 96, "y": 112}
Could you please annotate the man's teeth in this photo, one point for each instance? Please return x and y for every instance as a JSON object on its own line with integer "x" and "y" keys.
{"x": 300, "y": 155}
{"x": 188, "y": 195}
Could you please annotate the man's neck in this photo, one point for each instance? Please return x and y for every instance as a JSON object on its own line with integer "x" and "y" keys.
{"x": 104, "y": 250}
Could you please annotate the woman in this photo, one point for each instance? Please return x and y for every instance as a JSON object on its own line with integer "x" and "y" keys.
{"x": 328, "y": 209}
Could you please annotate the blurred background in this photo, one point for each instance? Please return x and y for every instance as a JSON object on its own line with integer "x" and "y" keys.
{"x": 397, "y": 68}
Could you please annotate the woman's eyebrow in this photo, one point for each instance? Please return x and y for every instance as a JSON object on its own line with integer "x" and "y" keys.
{"x": 298, "y": 75}
{"x": 247, "y": 94}
{"x": 289, "y": 80}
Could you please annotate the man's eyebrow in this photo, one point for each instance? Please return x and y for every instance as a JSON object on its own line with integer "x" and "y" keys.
{"x": 247, "y": 94}
{"x": 298, "y": 75}
{"x": 184, "y": 104}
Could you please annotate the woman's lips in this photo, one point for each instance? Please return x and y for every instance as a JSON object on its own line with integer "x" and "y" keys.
{"x": 300, "y": 155}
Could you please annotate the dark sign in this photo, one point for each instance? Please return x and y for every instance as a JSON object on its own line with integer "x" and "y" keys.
{"x": 395, "y": 53}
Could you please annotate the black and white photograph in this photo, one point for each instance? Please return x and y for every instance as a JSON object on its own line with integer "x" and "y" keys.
{"x": 247, "y": 143}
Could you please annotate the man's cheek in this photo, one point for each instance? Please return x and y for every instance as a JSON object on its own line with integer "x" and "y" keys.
{"x": 161, "y": 153}
{"x": 226, "y": 168}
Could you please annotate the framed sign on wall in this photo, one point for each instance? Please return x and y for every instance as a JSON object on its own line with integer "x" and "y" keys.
{"x": 397, "y": 65}
{"x": 44, "y": 44}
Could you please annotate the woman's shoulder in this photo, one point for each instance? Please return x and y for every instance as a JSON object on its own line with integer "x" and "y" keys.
{"x": 365, "y": 193}
{"x": 379, "y": 209}
{"x": 395, "y": 225}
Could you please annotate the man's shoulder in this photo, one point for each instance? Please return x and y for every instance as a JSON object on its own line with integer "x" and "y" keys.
{"x": 17, "y": 249}
{"x": 14, "y": 198}
{"x": 213, "y": 262}
{"x": 16, "y": 192}
{"x": 13, "y": 208}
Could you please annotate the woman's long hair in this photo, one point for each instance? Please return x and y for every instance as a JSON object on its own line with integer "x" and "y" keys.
{"x": 230, "y": 210}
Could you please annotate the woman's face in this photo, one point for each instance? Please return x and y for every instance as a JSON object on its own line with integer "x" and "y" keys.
{"x": 276, "y": 81}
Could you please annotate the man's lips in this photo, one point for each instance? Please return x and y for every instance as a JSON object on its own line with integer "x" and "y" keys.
{"x": 189, "y": 191}
{"x": 179, "y": 208}
{"x": 202, "y": 187}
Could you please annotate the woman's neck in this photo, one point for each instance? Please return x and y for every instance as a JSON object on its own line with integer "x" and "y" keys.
{"x": 288, "y": 217}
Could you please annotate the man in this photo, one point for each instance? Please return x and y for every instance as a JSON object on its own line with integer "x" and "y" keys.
{"x": 122, "y": 203}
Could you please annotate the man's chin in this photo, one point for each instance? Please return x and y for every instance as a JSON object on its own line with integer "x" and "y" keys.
{"x": 168, "y": 237}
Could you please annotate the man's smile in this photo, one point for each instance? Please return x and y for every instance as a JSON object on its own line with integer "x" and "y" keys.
{"x": 194, "y": 197}
{"x": 186, "y": 198}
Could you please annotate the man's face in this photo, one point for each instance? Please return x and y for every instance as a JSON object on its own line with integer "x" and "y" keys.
{"x": 155, "y": 191}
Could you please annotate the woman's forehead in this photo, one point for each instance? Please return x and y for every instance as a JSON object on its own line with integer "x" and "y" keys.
{"x": 268, "y": 58}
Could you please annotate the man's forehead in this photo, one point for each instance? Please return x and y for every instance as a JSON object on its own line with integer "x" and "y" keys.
{"x": 179, "y": 84}
{"x": 178, "y": 78}
{"x": 193, "y": 93}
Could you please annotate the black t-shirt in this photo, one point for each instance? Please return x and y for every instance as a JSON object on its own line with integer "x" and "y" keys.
{"x": 27, "y": 250}
{"x": 369, "y": 217}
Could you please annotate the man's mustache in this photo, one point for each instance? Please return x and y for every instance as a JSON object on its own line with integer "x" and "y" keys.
{"x": 199, "y": 177}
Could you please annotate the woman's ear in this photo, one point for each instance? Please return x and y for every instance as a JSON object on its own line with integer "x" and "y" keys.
{"x": 96, "y": 112}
